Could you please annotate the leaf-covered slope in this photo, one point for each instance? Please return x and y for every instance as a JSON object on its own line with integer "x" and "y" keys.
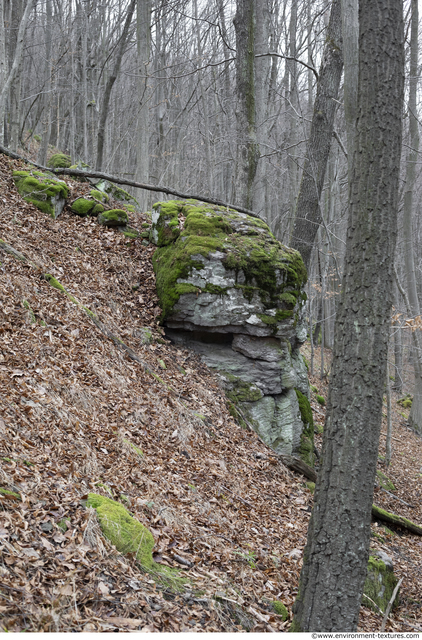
{"x": 78, "y": 416}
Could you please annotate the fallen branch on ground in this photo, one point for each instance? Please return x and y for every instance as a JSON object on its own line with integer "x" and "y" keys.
{"x": 158, "y": 188}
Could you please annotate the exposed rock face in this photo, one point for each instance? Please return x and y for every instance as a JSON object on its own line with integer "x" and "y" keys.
{"x": 232, "y": 293}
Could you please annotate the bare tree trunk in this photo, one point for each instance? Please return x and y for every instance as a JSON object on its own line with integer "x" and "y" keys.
{"x": 398, "y": 349}
{"x": 415, "y": 417}
{"x": 143, "y": 53}
{"x": 308, "y": 212}
{"x": 336, "y": 554}
{"x": 42, "y": 154}
{"x": 110, "y": 82}
{"x": 7, "y": 81}
{"x": 247, "y": 148}
{"x": 350, "y": 32}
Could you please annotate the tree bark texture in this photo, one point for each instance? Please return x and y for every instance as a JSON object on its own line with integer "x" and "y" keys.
{"x": 336, "y": 554}
{"x": 308, "y": 213}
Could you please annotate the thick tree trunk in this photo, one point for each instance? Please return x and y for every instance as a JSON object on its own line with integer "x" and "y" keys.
{"x": 336, "y": 554}
{"x": 308, "y": 213}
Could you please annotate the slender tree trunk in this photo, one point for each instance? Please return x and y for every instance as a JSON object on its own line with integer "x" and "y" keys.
{"x": 398, "y": 349}
{"x": 415, "y": 417}
{"x": 144, "y": 90}
{"x": 247, "y": 147}
{"x": 110, "y": 82}
{"x": 308, "y": 213}
{"x": 42, "y": 154}
{"x": 350, "y": 32}
{"x": 336, "y": 554}
{"x": 7, "y": 81}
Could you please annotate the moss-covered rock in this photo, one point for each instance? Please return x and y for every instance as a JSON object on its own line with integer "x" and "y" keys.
{"x": 233, "y": 252}
{"x": 83, "y": 207}
{"x": 113, "y": 218}
{"x": 306, "y": 449}
{"x": 59, "y": 161}
{"x": 43, "y": 191}
{"x": 380, "y": 582}
{"x": 117, "y": 193}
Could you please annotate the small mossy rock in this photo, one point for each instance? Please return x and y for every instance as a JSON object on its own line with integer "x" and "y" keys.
{"x": 165, "y": 223}
{"x": 83, "y": 207}
{"x": 113, "y": 218}
{"x": 385, "y": 482}
{"x": 126, "y": 533}
{"x": 46, "y": 193}
{"x": 59, "y": 161}
{"x": 380, "y": 581}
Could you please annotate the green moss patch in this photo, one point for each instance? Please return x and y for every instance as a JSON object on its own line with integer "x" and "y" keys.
{"x": 99, "y": 195}
{"x": 280, "y": 609}
{"x": 321, "y": 400}
{"x": 10, "y": 494}
{"x": 306, "y": 448}
{"x": 82, "y": 207}
{"x": 261, "y": 265}
{"x": 126, "y": 533}
{"x": 406, "y": 402}
{"x": 385, "y": 482}
{"x": 130, "y": 536}
{"x": 113, "y": 218}
{"x": 59, "y": 160}
{"x": 237, "y": 390}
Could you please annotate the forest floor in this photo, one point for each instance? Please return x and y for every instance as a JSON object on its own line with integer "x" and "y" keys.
{"x": 220, "y": 505}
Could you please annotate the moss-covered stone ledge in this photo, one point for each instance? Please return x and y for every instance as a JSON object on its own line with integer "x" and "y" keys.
{"x": 45, "y": 192}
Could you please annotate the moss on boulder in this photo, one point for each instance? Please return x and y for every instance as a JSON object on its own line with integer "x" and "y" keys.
{"x": 99, "y": 195}
{"x": 59, "y": 160}
{"x": 380, "y": 582}
{"x": 113, "y": 218}
{"x": 43, "y": 191}
{"x": 117, "y": 193}
{"x": 253, "y": 263}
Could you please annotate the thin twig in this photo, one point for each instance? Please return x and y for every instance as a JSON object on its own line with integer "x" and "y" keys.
{"x": 397, "y": 498}
{"x": 390, "y": 604}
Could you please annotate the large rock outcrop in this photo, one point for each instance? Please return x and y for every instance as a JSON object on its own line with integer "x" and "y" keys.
{"x": 234, "y": 294}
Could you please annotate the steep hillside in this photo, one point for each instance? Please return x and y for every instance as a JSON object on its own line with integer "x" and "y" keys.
{"x": 104, "y": 403}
